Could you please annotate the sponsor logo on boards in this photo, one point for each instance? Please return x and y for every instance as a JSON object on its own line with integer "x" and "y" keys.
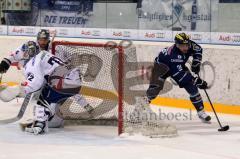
{"x": 121, "y": 33}
{"x": 17, "y": 30}
{"x": 196, "y": 37}
{"x": 154, "y": 35}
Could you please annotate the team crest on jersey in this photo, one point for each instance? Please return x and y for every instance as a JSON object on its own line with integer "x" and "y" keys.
{"x": 177, "y": 60}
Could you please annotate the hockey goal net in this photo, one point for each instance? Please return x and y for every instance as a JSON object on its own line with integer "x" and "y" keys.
{"x": 108, "y": 74}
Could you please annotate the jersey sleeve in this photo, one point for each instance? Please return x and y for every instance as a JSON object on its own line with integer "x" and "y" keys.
{"x": 15, "y": 56}
{"x": 197, "y": 51}
{"x": 49, "y": 63}
{"x": 43, "y": 64}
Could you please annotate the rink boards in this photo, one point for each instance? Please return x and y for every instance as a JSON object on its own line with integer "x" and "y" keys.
{"x": 221, "y": 70}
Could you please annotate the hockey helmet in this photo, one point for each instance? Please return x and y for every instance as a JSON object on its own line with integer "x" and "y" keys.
{"x": 43, "y": 34}
{"x": 181, "y": 38}
{"x": 30, "y": 49}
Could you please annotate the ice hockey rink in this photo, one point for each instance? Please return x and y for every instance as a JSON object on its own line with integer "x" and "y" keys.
{"x": 196, "y": 140}
{"x": 113, "y": 45}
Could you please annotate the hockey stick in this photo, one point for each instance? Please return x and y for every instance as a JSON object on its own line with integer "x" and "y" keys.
{"x": 222, "y": 128}
{"x": 53, "y": 37}
{"x": 21, "y": 112}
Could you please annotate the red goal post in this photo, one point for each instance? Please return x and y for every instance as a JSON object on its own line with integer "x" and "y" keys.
{"x": 120, "y": 70}
{"x": 109, "y": 77}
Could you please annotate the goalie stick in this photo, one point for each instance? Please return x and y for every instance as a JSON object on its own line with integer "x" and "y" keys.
{"x": 53, "y": 37}
{"x": 88, "y": 91}
{"x": 21, "y": 112}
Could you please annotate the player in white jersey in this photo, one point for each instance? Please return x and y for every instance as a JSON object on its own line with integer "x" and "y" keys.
{"x": 43, "y": 41}
{"x": 15, "y": 59}
{"x": 43, "y": 71}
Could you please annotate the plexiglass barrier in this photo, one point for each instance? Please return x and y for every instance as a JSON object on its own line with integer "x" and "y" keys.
{"x": 207, "y": 21}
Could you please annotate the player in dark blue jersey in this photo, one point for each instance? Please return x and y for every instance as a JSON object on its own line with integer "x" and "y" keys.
{"x": 171, "y": 63}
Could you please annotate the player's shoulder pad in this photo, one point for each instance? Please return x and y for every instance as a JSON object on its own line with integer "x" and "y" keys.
{"x": 166, "y": 51}
{"x": 164, "y": 55}
{"x": 195, "y": 47}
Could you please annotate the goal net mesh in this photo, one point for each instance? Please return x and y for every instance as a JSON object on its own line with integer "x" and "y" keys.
{"x": 112, "y": 87}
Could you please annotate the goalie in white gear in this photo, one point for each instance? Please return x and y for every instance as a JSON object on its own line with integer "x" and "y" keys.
{"x": 43, "y": 71}
{"x": 43, "y": 42}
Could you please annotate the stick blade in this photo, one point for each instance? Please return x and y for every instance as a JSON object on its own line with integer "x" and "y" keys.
{"x": 21, "y": 112}
{"x": 225, "y": 128}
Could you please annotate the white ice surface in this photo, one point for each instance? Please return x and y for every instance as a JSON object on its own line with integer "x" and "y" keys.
{"x": 196, "y": 140}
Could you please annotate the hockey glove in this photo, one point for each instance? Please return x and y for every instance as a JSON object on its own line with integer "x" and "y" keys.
{"x": 196, "y": 66}
{"x": 4, "y": 65}
{"x": 200, "y": 83}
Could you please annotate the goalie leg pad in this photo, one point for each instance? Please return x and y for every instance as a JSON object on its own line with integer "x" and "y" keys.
{"x": 83, "y": 102}
{"x": 40, "y": 121}
{"x": 51, "y": 110}
{"x": 54, "y": 120}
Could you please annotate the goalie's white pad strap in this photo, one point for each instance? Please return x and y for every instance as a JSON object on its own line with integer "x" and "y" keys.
{"x": 80, "y": 100}
{"x": 39, "y": 113}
